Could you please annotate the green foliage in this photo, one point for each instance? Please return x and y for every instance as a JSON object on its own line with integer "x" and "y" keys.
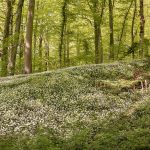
{"x": 67, "y": 110}
{"x": 122, "y": 133}
{"x": 126, "y": 132}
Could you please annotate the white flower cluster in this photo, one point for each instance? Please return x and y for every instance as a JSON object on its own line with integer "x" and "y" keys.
{"x": 65, "y": 100}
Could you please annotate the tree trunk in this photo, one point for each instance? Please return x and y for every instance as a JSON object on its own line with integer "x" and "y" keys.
{"x": 21, "y": 50}
{"x": 142, "y": 26}
{"x": 35, "y": 47}
{"x": 63, "y": 25}
{"x": 97, "y": 42}
{"x": 97, "y": 30}
{"x": 123, "y": 27}
{"x": 28, "y": 39}
{"x": 46, "y": 55}
{"x": 12, "y": 60}
{"x": 65, "y": 45}
{"x": 111, "y": 27}
{"x": 40, "y": 53}
{"x": 68, "y": 49}
{"x": 132, "y": 27}
{"x": 35, "y": 36}
{"x": 4, "y": 56}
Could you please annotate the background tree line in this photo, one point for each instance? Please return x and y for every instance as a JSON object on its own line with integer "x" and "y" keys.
{"x": 39, "y": 35}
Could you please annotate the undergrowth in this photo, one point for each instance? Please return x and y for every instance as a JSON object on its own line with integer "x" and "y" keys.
{"x": 81, "y": 108}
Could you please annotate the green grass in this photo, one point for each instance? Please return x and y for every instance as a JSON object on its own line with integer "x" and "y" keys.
{"x": 80, "y": 108}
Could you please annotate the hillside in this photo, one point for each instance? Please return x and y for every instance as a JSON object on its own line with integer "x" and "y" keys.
{"x": 93, "y": 107}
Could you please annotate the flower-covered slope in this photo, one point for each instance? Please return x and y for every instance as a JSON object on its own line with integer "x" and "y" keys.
{"x": 70, "y": 100}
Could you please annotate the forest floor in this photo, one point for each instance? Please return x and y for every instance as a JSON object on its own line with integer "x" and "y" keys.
{"x": 93, "y": 107}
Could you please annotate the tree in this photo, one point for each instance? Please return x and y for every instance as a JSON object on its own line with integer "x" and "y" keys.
{"x": 97, "y": 17}
{"x": 40, "y": 53}
{"x": 123, "y": 27}
{"x": 133, "y": 33}
{"x": 111, "y": 28}
{"x": 13, "y": 53}
{"x": 4, "y": 57}
{"x": 142, "y": 28}
{"x": 63, "y": 27}
{"x": 28, "y": 39}
{"x": 70, "y": 33}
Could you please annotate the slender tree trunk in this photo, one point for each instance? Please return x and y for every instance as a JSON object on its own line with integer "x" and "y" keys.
{"x": 132, "y": 27}
{"x": 77, "y": 43}
{"x": 35, "y": 47}
{"x": 11, "y": 39}
{"x": 111, "y": 26}
{"x": 12, "y": 60}
{"x": 97, "y": 42}
{"x": 68, "y": 49}
{"x": 123, "y": 27}
{"x": 101, "y": 48}
{"x": 28, "y": 39}
{"x": 142, "y": 28}
{"x": 40, "y": 53}
{"x": 65, "y": 45}
{"x": 11, "y": 32}
{"x": 47, "y": 55}
{"x": 21, "y": 46}
{"x": 97, "y": 30}
{"x": 4, "y": 56}
{"x": 63, "y": 24}
{"x": 21, "y": 50}
{"x": 35, "y": 37}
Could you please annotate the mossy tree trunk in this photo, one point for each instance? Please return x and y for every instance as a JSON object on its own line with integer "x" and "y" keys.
{"x": 6, "y": 33}
{"x": 13, "y": 52}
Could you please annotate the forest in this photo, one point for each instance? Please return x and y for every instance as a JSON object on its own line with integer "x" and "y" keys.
{"x": 42, "y": 35}
{"x": 74, "y": 74}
